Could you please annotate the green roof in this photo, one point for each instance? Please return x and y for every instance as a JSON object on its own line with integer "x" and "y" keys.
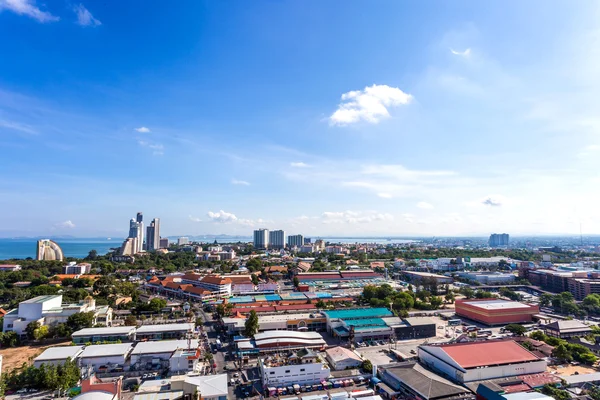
{"x": 359, "y": 313}
{"x": 365, "y": 322}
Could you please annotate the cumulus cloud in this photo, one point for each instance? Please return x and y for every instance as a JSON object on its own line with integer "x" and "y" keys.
{"x": 424, "y": 205}
{"x": 368, "y": 105}
{"x": 194, "y": 219}
{"x": 354, "y": 217}
{"x": 28, "y": 8}
{"x": 222, "y": 217}
{"x": 157, "y": 148}
{"x": 492, "y": 201}
{"x": 142, "y": 129}
{"x": 238, "y": 182}
{"x": 66, "y": 224}
{"x": 464, "y": 53}
{"x": 85, "y": 17}
{"x": 299, "y": 165}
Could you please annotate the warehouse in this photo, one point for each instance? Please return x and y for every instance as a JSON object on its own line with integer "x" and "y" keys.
{"x": 495, "y": 311}
{"x": 474, "y": 361}
{"x": 163, "y": 332}
{"x": 418, "y": 277}
{"x": 293, "y": 322}
{"x": 151, "y": 352}
{"x": 57, "y": 355}
{"x": 105, "y": 357}
{"x": 341, "y": 358}
{"x": 111, "y": 334}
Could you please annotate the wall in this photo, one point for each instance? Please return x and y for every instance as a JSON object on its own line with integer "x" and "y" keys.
{"x": 292, "y": 374}
{"x": 96, "y": 362}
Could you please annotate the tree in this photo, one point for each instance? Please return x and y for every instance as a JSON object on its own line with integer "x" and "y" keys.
{"x": 467, "y": 292}
{"x": 516, "y": 329}
{"x": 562, "y": 353}
{"x": 369, "y": 291}
{"x": 251, "y": 325}
{"x": 296, "y": 282}
{"x": 482, "y": 294}
{"x": 199, "y": 322}
{"x": 10, "y": 339}
{"x": 254, "y": 279}
{"x": 538, "y": 335}
{"x": 30, "y": 329}
{"x": 156, "y": 305}
{"x": 92, "y": 255}
{"x": 435, "y": 302}
{"x": 449, "y": 297}
{"x": 40, "y": 333}
{"x": 80, "y": 320}
{"x": 545, "y": 299}
{"x": 68, "y": 375}
{"x": 130, "y": 320}
{"x": 320, "y": 304}
{"x": 367, "y": 366}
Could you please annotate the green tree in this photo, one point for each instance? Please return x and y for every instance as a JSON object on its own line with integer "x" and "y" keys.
{"x": 130, "y": 320}
{"x": 449, "y": 297}
{"x": 254, "y": 279}
{"x": 92, "y": 255}
{"x": 31, "y": 328}
{"x": 467, "y": 292}
{"x": 482, "y": 294}
{"x": 80, "y": 320}
{"x": 516, "y": 329}
{"x": 545, "y": 299}
{"x": 251, "y": 325}
{"x": 199, "y": 322}
{"x": 320, "y": 304}
{"x": 435, "y": 302}
{"x": 367, "y": 366}
{"x": 296, "y": 282}
{"x": 155, "y": 305}
{"x": 538, "y": 335}
{"x": 68, "y": 375}
{"x": 10, "y": 339}
{"x": 369, "y": 291}
{"x": 562, "y": 353}
{"x": 40, "y": 333}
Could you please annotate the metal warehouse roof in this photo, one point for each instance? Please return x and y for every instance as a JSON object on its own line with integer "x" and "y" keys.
{"x": 165, "y": 328}
{"x": 59, "y": 353}
{"x": 287, "y": 334}
{"x": 496, "y": 304}
{"x": 117, "y": 330}
{"x": 163, "y": 346}
{"x": 104, "y": 350}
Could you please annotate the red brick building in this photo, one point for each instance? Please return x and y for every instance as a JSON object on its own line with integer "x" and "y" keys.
{"x": 495, "y": 311}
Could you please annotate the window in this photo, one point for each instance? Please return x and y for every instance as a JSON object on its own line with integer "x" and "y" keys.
{"x": 287, "y": 371}
{"x": 302, "y": 370}
{"x": 272, "y": 373}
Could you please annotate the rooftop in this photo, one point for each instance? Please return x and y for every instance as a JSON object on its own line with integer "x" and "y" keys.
{"x": 165, "y": 328}
{"x": 163, "y": 346}
{"x": 104, "y": 350}
{"x": 116, "y": 330}
{"x": 569, "y": 326}
{"x": 59, "y": 353}
{"x": 341, "y": 353}
{"x": 496, "y": 304}
{"x": 359, "y": 313}
{"x": 41, "y": 299}
{"x": 417, "y": 321}
{"x": 208, "y": 385}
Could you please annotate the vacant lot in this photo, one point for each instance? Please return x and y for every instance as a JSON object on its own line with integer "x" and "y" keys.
{"x": 568, "y": 369}
{"x": 15, "y": 357}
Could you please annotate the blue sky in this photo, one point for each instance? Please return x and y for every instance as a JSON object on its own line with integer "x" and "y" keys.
{"x": 322, "y": 118}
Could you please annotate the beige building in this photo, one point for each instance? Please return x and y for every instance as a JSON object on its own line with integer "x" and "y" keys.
{"x": 49, "y": 250}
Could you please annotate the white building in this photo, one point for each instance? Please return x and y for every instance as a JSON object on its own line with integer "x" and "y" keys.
{"x": 208, "y": 387}
{"x": 280, "y": 371}
{"x": 474, "y": 361}
{"x": 49, "y": 250}
{"x": 57, "y": 355}
{"x": 341, "y": 358}
{"x": 489, "y": 278}
{"x": 277, "y": 239}
{"x": 295, "y": 240}
{"x": 185, "y": 360}
{"x": 49, "y": 310}
{"x": 10, "y": 267}
{"x": 182, "y": 241}
{"x": 261, "y": 238}
{"x": 105, "y": 355}
{"x": 129, "y": 247}
{"x": 155, "y": 353}
{"x": 77, "y": 269}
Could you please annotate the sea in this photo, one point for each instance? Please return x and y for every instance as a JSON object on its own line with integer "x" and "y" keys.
{"x": 78, "y": 248}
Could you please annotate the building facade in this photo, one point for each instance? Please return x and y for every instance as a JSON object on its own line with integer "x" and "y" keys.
{"x": 153, "y": 235}
{"x": 295, "y": 240}
{"x": 496, "y": 311}
{"x": 261, "y": 239}
{"x": 49, "y": 250}
{"x": 498, "y": 239}
{"x": 277, "y": 239}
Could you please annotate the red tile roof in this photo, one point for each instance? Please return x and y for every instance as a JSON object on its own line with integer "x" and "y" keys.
{"x": 196, "y": 290}
{"x": 239, "y": 279}
{"x": 215, "y": 280}
{"x": 479, "y": 354}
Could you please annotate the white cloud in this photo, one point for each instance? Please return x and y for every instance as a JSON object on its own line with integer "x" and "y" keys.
{"x": 424, "y": 205}
{"x": 29, "y": 8}
{"x": 142, "y": 129}
{"x": 384, "y": 195}
{"x": 84, "y": 17}
{"x": 298, "y": 165}
{"x": 194, "y": 219}
{"x": 410, "y": 218}
{"x": 492, "y": 201}
{"x": 354, "y": 217}
{"x": 238, "y": 182}
{"x": 66, "y": 224}
{"x": 368, "y": 105}
{"x": 17, "y": 126}
{"x": 222, "y": 217}
{"x": 158, "y": 149}
{"x": 465, "y": 53}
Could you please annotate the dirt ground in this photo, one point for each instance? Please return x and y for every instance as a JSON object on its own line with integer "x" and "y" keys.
{"x": 568, "y": 370}
{"x": 15, "y": 357}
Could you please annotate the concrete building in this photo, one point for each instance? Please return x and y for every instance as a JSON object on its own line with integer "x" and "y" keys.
{"x": 112, "y": 334}
{"x": 341, "y": 358}
{"x": 104, "y": 357}
{"x": 581, "y": 287}
{"x": 261, "y": 239}
{"x": 295, "y": 240}
{"x": 496, "y": 311}
{"x": 417, "y": 277}
{"x": 474, "y": 361}
{"x": 129, "y": 247}
{"x": 566, "y": 329}
{"x": 77, "y": 269}
{"x": 57, "y": 355}
{"x": 48, "y": 250}
{"x": 311, "y": 322}
{"x": 182, "y": 241}
{"x": 163, "y": 332}
{"x": 10, "y": 267}
{"x": 153, "y": 235}
{"x": 299, "y": 368}
{"x": 158, "y": 355}
{"x": 164, "y": 243}
{"x": 277, "y": 239}
{"x": 498, "y": 240}
{"x": 136, "y": 231}
{"x": 207, "y": 387}
{"x": 489, "y": 278}
{"x": 49, "y": 310}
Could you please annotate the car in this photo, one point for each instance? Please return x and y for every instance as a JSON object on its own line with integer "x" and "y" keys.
{"x": 236, "y": 375}
{"x": 413, "y": 352}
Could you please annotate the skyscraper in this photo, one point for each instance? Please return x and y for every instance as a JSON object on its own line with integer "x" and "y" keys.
{"x": 136, "y": 231}
{"x": 261, "y": 238}
{"x": 153, "y": 235}
{"x": 498, "y": 239}
{"x": 48, "y": 250}
{"x": 295, "y": 240}
{"x": 277, "y": 239}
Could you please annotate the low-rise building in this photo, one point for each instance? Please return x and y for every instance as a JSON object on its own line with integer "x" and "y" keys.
{"x": 567, "y": 329}
{"x": 108, "y": 334}
{"x": 417, "y": 277}
{"x": 296, "y": 321}
{"x": 105, "y": 357}
{"x": 163, "y": 332}
{"x": 341, "y": 358}
{"x": 57, "y": 355}
{"x": 489, "y": 278}
{"x": 299, "y": 368}
{"x": 10, "y": 267}
{"x": 77, "y": 269}
{"x": 145, "y": 355}
{"x": 496, "y": 311}
{"x": 207, "y": 387}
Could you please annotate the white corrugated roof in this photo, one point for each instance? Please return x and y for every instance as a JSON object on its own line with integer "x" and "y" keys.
{"x": 117, "y": 330}
{"x": 59, "y": 353}
{"x": 100, "y": 350}
{"x": 163, "y": 346}
{"x": 165, "y": 328}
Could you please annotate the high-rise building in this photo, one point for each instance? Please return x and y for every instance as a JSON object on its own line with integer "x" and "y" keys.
{"x": 136, "y": 231}
{"x": 182, "y": 241}
{"x": 164, "y": 243}
{"x": 277, "y": 239}
{"x": 261, "y": 238}
{"x": 153, "y": 235}
{"x": 295, "y": 240}
{"x": 129, "y": 247}
{"x": 498, "y": 239}
{"x": 49, "y": 250}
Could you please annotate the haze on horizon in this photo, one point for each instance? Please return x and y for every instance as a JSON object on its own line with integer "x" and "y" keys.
{"x": 329, "y": 119}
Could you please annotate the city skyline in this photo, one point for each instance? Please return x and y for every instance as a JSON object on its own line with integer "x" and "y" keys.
{"x": 401, "y": 120}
